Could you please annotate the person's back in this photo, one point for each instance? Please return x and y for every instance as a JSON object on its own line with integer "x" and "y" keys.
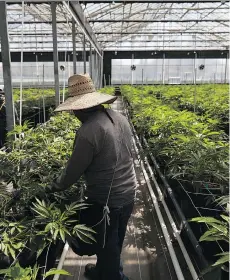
{"x": 112, "y": 142}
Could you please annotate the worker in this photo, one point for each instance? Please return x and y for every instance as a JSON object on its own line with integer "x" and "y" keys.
{"x": 102, "y": 153}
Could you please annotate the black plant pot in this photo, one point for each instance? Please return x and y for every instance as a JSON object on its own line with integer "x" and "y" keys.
{"x": 4, "y": 261}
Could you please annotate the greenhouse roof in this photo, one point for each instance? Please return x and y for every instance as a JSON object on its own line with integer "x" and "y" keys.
{"x": 119, "y": 25}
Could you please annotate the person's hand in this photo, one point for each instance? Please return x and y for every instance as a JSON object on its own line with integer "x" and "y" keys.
{"x": 49, "y": 189}
{"x": 53, "y": 187}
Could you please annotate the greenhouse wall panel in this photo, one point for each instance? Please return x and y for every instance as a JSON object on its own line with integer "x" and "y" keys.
{"x": 176, "y": 71}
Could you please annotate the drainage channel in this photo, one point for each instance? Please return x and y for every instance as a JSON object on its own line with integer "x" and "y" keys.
{"x": 149, "y": 250}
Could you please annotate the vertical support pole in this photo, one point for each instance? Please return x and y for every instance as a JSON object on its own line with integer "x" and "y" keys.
{"x": 95, "y": 70}
{"x": 43, "y": 88}
{"x": 163, "y": 69}
{"x": 6, "y": 62}
{"x": 132, "y": 70}
{"x": 107, "y": 65}
{"x": 104, "y": 81}
{"x": 90, "y": 61}
{"x": 226, "y": 69}
{"x": 194, "y": 79}
{"x": 93, "y": 66}
{"x": 99, "y": 69}
{"x": 74, "y": 46}
{"x": 84, "y": 54}
{"x": 55, "y": 53}
{"x": 101, "y": 73}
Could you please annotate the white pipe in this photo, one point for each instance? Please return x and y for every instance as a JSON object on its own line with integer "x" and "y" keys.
{"x": 162, "y": 222}
{"x": 174, "y": 227}
{"x": 62, "y": 259}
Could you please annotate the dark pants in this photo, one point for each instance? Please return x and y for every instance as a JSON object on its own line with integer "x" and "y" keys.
{"x": 108, "y": 265}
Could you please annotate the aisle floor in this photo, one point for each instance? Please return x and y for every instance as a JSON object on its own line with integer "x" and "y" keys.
{"x": 145, "y": 255}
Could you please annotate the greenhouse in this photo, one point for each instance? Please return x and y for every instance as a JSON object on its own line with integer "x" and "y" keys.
{"x": 114, "y": 140}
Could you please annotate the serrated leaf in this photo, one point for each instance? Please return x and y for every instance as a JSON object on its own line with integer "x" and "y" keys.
{"x": 222, "y": 260}
{"x": 12, "y": 252}
{"x": 226, "y": 218}
{"x": 206, "y": 220}
{"x": 57, "y": 271}
{"x": 84, "y": 227}
{"x": 62, "y": 234}
{"x": 83, "y": 238}
{"x": 208, "y": 233}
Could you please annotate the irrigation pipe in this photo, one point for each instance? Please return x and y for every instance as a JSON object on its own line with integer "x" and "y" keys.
{"x": 62, "y": 259}
{"x": 178, "y": 209}
{"x": 161, "y": 220}
{"x": 174, "y": 227}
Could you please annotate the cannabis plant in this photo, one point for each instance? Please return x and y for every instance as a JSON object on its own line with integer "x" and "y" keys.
{"x": 218, "y": 230}
{"x": 16, "y": 272}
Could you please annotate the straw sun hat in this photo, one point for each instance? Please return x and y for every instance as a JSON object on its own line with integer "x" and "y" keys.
{"x": 83, "y": 95}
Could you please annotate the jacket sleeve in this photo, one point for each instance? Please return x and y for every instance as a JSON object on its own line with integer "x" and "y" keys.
{"x": 79, "y": 161}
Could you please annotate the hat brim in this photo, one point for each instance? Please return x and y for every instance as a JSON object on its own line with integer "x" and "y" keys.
{"x": 85, "y": 101}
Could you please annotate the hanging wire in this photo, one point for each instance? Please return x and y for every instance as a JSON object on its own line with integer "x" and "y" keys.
{"x": 22, "y": 38}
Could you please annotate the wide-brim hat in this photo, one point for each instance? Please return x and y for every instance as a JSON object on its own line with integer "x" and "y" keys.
{"x": 83, "y": 95}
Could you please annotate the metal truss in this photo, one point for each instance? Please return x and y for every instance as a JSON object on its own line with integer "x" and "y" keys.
{"x": 141, "y": 25}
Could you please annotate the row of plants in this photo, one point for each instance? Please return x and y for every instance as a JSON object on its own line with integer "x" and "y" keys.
{"x": 32, "y": 99}
{"x": 190, "y": 148}
{"x": 209, "y": 99}
{"x": 32, "y": 220}
{"x": 108, "y": 90}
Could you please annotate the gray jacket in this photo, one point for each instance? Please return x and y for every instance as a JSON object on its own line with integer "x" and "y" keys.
{"x": 100, "y": 146}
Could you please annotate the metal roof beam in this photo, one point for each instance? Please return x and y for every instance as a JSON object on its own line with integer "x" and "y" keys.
{"x": 120, "y": 33}
{"x": 78, "y": 15}
{"x": 150, "y": 1}
{"x": 12, "y": 2}
{"x": 119, "y": 41}
{"x": 161, "y": 33}
{"x": 160, "y": 20}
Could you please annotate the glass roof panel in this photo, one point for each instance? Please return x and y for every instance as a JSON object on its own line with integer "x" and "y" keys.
{"x": 119, "y": 26}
